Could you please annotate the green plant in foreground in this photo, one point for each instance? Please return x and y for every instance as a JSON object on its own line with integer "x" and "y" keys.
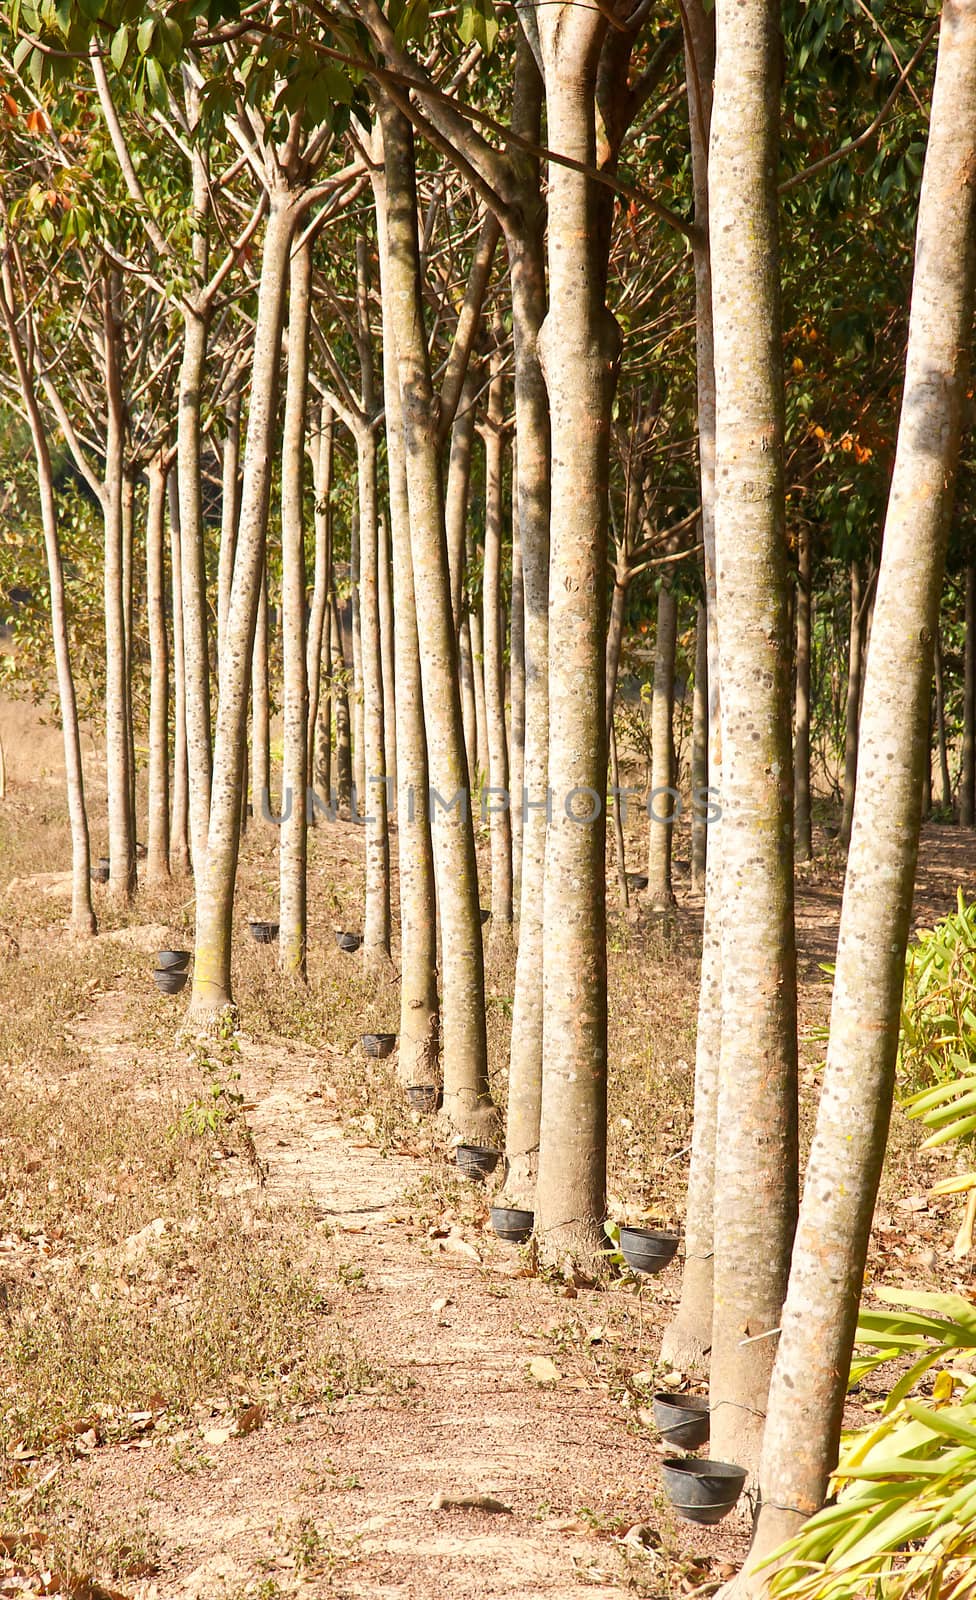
{"x": 903, "y": 1526}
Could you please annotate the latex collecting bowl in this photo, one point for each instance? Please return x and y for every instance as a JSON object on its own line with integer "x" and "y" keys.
{"x": 169, "y": 982}
{"x": 512, "y": 1224}
{"x": 475, "y": 1160}
{"x": 172, "y": 960}
{"x": 348, "y": 941}
{"x": 702, "y": 1491}
{"x": 424, "y": 1097}
{"x": 682, "y": 1419}
{"x": 379, "y": 1045}
{"x": 263, "y": 932}
{"x": 647, "y": 1249}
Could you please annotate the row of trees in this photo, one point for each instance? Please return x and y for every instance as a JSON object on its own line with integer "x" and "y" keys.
{"x": 304, "y": 258}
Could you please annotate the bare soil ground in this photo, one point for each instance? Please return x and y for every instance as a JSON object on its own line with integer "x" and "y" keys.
{"x": 256, "y": 1325}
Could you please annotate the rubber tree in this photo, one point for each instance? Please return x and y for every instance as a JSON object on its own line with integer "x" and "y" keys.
{"x": 157, "y": 828}
{"x": 290, "y": 192}
{"x": 801, "y": 721}
{"x": 855, "y": 667}
{"x": 967, "y": 775}
{"x": 579, "y": 345}
{"x": 374, "y": 804}
{"x": 687, "y": 1338}
{"x": 756, "y": 1155}
{"x": 179, "y": 832}
{"x": 320, "y": 612}
{"x": 467, "y": 1102}
{"x": 497, "y": 803}
{"x": 82, "y": 915}
{"x": 418, "y": 1055}
{"x": 661, "y": 809}
{"x": 808, "y": 1390}
{"x": 293, "y": 833}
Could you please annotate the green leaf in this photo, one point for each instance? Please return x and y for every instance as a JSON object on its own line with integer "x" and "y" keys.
{"x": 144, "y": 36}
{"x": 120, "y": 48}
{"x": 477, "y": 23}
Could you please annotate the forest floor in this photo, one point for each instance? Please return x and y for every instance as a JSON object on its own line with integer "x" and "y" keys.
{"x": 253, "y": 1325}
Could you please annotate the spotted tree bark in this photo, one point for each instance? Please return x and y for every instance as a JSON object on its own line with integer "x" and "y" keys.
{"x": 418, "y": 1055}
{"x": 293, "y": 837}
{"x": 579, "y": 347}
{"x": 661, "y": 831}
{"x": 688, "y": 1337}
{"x": 801, "y": 721}
{"x": 807, "y": 1394}
{"x": 215, "y": 899}
{"x": 157, "y": 831}
{"x": 756, "y": 1156}
{"x": 82, "y": 915}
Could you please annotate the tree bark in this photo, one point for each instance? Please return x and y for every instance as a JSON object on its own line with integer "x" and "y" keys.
{"x": 699, "y": 753}
{"x": 498, "y": 803}
{"x": 320, "y": 614}
{"x": 82, "y": 915}
{"x": 418, "y": 1055}
{"x": 516, "y": 655}
{"x": 756, "y": 1156}
{"x": 157, "y": 835}
{"x": 230, "y": 500}
{"x": 967, "y": 779}
{"x": 801, "y": 727}
{"x": 121, "y": 838}
{"x": 809, "y": 1384}
{"x": 688, "y": 1337}
{"x": 661, "y": 805}
{"x": 293, "y": 833}
{"x": 179, "y": 833}
{"x": 358, "y": 709}
{"x": 579, "y": 346}
{"x": 940, "y": 730}
{"x": 343, "y": 721}
{"x": 193, "y": 578}
{"x": 527, "y": 269}
{"x": 215, "y": 900}
{"x": 261, "y": 710}
{"x": 458, "y": 484}
{"x": 388, "y": 657}
{"x": 852, "y": 714}
{"x": 467, "y": 1102}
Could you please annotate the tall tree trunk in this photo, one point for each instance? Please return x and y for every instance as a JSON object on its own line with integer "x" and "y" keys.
{"x": 661, "y": 805}
{"x": 467, "y": 1102}
{"x": 516, "y": 656}
{"x": 230, "y": 501}
{"x": 343, "y": 721}
{"x": 293, "y": 834}
{"x": 157, "y": 835}
{"x": 699, "y": 753}
{"x": 458, "y": 484}
{"x": 615, "y": 638}
{"x": 419, "y": 1045}
{"x": 376, "y": 795}
{"x": 688, "y": 1337}
{"x": 809, "y": 1384}
{"x": 579, "y": 346}
{"x": 82, "y": 915}
{"x": 196, "y": 649}
{"x": 854, "y": 671}
{"x": 468, "y": 713}
{"x": 215, "y": 899}
{"x": 967, "y": 779}
{"x": 940, "y": 730}
{"x": 261, "y": 710}
{"x": 374, "y": 804}
{"x": 358, "y": 710}
{"x": 121, "y": 839}
{"x": 801, "y": 728}
{"x": 320, "y": 615}
{"x": 179, "y": 833}
{"x": 498, "y": 804}
{"x": 387, "y": 654}
{"x": 527, "y": 269}
{"x": 482, "y": 767}
{"x": 756, "y": 1155}
{"x": 128, "y": 617}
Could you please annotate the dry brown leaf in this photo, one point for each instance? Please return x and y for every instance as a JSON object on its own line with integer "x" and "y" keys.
{"x": 543, "y": 1370}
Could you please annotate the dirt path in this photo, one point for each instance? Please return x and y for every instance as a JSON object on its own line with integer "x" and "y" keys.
{"x": 450, "y": 1327}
